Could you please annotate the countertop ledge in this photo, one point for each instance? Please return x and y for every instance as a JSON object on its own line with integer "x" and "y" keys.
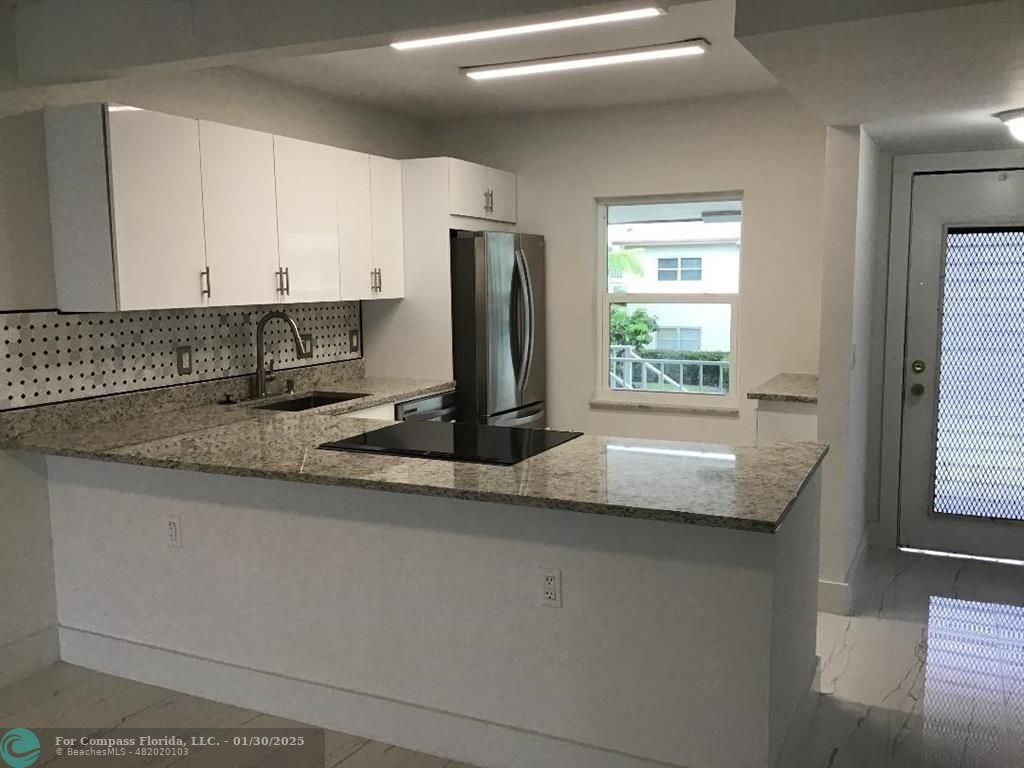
{"x": 788, "y": 387}
{"x": 743, "y": 488}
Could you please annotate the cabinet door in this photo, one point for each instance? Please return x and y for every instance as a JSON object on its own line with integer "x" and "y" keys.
{"x": 467, "y": 189}
{"x": 241, "y": 217}
{"x": 502, "y": 186}
{"x": 388, "y": 235}
{"x": 157, "y": 204}
{"x": 355, "y": 232}
{"x": 307, "y": 220}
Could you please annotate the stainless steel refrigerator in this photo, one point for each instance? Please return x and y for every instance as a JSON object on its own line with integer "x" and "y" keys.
{"x": 498, "y": 328}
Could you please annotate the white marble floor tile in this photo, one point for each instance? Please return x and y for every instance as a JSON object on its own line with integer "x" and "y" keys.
{"x": 928, "y": 673}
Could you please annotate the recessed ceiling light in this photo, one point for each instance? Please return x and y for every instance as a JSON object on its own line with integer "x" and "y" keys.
{"x": 1014, "y": 121}
{"x": 528, "y": 29}
{"x": 588, "y": 60}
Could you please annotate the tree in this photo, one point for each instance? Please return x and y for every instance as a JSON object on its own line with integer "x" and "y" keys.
{"x": 625, "y": 261}
{"x": 633, "y": 329}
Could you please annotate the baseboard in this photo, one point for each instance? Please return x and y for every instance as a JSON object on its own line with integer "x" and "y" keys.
{"x": 20, "y": 658}
{"x": 445, "y": 734}
{"x": 840, "y": 597}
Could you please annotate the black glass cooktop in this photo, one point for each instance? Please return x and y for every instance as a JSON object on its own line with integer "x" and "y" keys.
{"x": 455, "y": 442}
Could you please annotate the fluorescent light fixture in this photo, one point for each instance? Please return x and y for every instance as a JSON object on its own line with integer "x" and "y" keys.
{"x": 529, "y": 29}
{"x": 588, "y": 60}
{"x": 1014, "y": 121}
{"x": 122, "y": 108}
{"x": 673, "y": 452}
{"x": 959, "y": 556}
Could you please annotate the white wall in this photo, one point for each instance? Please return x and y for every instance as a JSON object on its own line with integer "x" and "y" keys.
{"x": 857, "y": 179}
{"x": 764, "y": 145}
{"x": 227, "y": 95}
{"x": 28, "y": 603}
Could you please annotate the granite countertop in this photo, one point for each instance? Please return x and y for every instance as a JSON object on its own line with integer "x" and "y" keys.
{"x": 788, "y": 387}
{"x": 745, "y": 488}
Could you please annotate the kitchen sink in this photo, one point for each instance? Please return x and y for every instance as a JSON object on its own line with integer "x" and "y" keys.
{"x": 304, "y": 402}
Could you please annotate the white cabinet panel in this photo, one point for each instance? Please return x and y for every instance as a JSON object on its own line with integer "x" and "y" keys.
{"x": 307, "y": 220}
{"x": 157, "y": 206}
{"x": 355, "y": 231}
{"x": 467, "y": 189}
{"x": 501, "y": 185}
{"x": 385, "y": 412}
{"x": 241, "y": 214}
{"x": 386, "y": 218}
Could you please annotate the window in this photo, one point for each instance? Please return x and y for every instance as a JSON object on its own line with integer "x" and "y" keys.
{"x": 686, "y": 339}
{"x": 669, "y": 300}
{"x": 680, "y": 269}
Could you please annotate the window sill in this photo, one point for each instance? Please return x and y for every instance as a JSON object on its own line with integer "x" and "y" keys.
{"x": 722, "y": 411}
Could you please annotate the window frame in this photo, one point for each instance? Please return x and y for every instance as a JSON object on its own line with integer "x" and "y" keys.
{"x": 604, "y": 299}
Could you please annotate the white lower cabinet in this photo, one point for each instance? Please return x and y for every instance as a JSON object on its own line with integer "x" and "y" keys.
{"x": 307, "y": 221}
{"x": 239, "y": 199}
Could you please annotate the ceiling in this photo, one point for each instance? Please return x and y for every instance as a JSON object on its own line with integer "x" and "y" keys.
{"x": 427, "y": 83}
{"x": 920, "y": 82}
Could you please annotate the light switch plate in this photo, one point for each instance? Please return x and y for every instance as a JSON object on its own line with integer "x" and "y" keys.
{"x": 307, "y": 344}
{"x": 353, "y": 340}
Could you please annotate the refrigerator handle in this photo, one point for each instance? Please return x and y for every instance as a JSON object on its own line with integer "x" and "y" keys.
{"x": 529, "y": 311}
{"x": 525, "y": 326}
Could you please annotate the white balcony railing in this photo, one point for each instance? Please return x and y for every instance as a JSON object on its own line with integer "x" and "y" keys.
{"x": 630, "y": 370}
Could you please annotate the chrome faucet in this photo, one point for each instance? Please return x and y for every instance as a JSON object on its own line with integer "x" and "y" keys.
{"x": 261, "y": 371}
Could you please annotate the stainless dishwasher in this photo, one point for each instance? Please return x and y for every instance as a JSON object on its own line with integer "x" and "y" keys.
{"x": 430, "y": 408}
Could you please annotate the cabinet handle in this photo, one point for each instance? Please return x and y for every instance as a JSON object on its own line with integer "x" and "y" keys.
{"x": 279, "y": 276}
{"x": 380, "y": 279}
{"x": 373, "y": 280}
{"x": 287, "y": 283}
{"x": 204, "y": 276}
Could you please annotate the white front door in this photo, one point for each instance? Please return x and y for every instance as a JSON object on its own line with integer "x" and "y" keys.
{"x": 962, "y": 453}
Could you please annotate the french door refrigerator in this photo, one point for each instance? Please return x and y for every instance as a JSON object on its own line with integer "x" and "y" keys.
{"x": 498, "y": 328}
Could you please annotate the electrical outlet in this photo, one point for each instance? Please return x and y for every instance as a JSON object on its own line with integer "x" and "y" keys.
{"x": 184, "y": 355}
{"x": 551, "y": 594}
{"x": 353, "y": 340}
{"x": 307, "y": 344}
{"x": 172, "y": 524}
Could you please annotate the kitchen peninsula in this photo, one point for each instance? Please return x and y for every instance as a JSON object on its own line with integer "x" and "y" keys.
{"x": 403, "y": 598}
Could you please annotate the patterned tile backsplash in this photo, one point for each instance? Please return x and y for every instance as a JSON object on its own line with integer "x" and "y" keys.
{"x": 50, "y": 357}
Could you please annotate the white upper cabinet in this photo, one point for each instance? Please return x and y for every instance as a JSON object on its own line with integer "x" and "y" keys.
{"x": 307, "y": 221}
{"x": 157, "y": 204}
{"x": 239, "y": 199}
{"x": 370, "y": 232}
{"x": 387, "y": 224}
{"x": 480, "y": 192}
{"x": 126, "y": 209}
{"x": 355, "y": 230}
{"x": 502, "y": 186}
{"x": 153, "y": 211}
